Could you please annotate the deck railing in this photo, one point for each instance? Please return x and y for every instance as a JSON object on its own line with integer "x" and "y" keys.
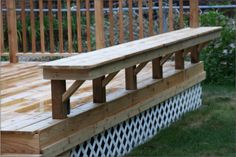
{"x": 67, "y": 27}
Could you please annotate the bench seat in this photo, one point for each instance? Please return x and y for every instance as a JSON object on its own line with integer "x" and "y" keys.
{"x": 102, "y": 65}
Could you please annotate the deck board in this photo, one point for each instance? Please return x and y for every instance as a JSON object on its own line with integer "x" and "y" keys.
{"x": 25, "y": 96}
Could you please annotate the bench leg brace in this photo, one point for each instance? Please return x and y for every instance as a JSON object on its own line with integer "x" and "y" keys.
{"x": 195, "y": 54}
{"x": 179, "y": 60}
{"x": 130, "y": 78}
{"x": 157, "y": 69}
{"x": 59, "y": 110}
{"x": 99, "y": 91}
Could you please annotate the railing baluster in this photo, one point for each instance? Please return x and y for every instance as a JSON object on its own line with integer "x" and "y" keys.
{"x": 1, "y": 31}
{"x": 194, "y": 8}
{"x": 32, "y": 24}
{"x": 121, "y": 27}
{"x": 23, "y": 21}
{"x": 171, "y": 25}
{"x": 42, "y": 39}
{"x": 69, "y": 29}
{"x": 51, "y": 33}
{"x": 88, "y": 24}
{"x": 181, "y": 14}
{"x": 140, "y": 13}
{"x": 131, "y": 34}
{"x": 150, "y": 17}
{"x": 160, "y": 12}
{"x": 78, "y": 20}
{"x": 60, "y": 27}
{"x": 111, "y": 20}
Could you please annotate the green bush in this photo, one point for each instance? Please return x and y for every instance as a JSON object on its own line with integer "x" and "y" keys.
{"x": 219, "y": 55}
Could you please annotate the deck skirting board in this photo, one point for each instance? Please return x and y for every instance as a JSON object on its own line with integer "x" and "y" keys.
{"x": 123, "y": 137}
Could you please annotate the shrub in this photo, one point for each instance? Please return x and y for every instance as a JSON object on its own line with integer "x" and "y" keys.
{"x": 219, "y": 55}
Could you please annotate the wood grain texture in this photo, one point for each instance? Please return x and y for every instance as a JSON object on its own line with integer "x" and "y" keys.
{"x": 131, "y": 33}
{"x": 114, "y": 111}
{"x": 69, "y": 25}
{"x": 140, "y": 16}
{"x": 130, "y": 78}
{"x": 60, "y": 27}
{"x": 23, "y": 21}
{"x": 12, "y": 30}
{"x": 111, "y": 20}
{"x": 99, "y": 24}
{"x": 88, "y": 31}
{"x": 179, "y": 60}
{"x": 41, "y": 23}
{"x": 150, "y": 17}
{"x": 170, "y": 42}
{"x": 121, "y": 23}
{"x": 51, "y": 33}
{"x": 29, "y": 114}
{"x": 32, "y": 27}
{"x": 181, "y": 14}
{"x": 59, "y": 110}
{"x": 194, "y": 13}
{"x": 160, "y": 15}
{"x": 157, "y": 68}
{"x": 1, "y": 31}
{"x": 78, "y": 22}
{"x": 170, "y": 16}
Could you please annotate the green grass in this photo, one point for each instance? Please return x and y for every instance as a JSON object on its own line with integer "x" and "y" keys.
{"x": 208, "y": 131}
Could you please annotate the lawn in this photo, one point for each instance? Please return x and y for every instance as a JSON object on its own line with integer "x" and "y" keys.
{"x": 208, "y": 131}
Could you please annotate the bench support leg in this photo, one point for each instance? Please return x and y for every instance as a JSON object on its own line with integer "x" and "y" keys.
{"x": 195, "y": 55}
{"x": 99, "y": 91}
{"x": 130, "y": 78}
{"x": 179, "y": 60}
{"x": 59, "y": 110}
{"x": 157, "y": 69}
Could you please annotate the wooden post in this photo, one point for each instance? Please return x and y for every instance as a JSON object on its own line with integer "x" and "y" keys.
{"x": 1, "y": 30}
{"x": 99, "y": 24}
{"x": 194, "y": 13}
{"x": 157, "y": 69}
{"x": 179, "y": 60}
{"x": 99, "y": 91}
{"x": 130, "y": 78}
{"x": 195, "y": 56}
{"x": 12, "y": 30}
{"x": 59, "y": 110}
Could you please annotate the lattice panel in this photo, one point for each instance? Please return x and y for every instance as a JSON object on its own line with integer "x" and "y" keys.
{"x": 122, "y": 138}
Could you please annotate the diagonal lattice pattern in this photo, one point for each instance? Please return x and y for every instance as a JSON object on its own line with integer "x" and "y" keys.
{"x": 122, "y": 138}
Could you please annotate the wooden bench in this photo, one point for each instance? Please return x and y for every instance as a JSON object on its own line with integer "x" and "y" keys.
{"x": 102, "y": 65}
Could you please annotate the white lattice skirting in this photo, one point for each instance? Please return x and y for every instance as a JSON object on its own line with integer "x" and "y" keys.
{"x": 122, "y": 138}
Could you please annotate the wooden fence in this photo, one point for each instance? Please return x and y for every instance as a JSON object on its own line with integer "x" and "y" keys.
{"x": 67, "y": 27}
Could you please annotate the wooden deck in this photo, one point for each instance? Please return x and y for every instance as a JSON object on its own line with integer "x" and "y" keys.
{"x": 26, "y": 123}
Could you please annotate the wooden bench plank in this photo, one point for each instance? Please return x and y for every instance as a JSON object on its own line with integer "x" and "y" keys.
{"x": 119, "y": 52}
{"x": 122, "y": 56}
